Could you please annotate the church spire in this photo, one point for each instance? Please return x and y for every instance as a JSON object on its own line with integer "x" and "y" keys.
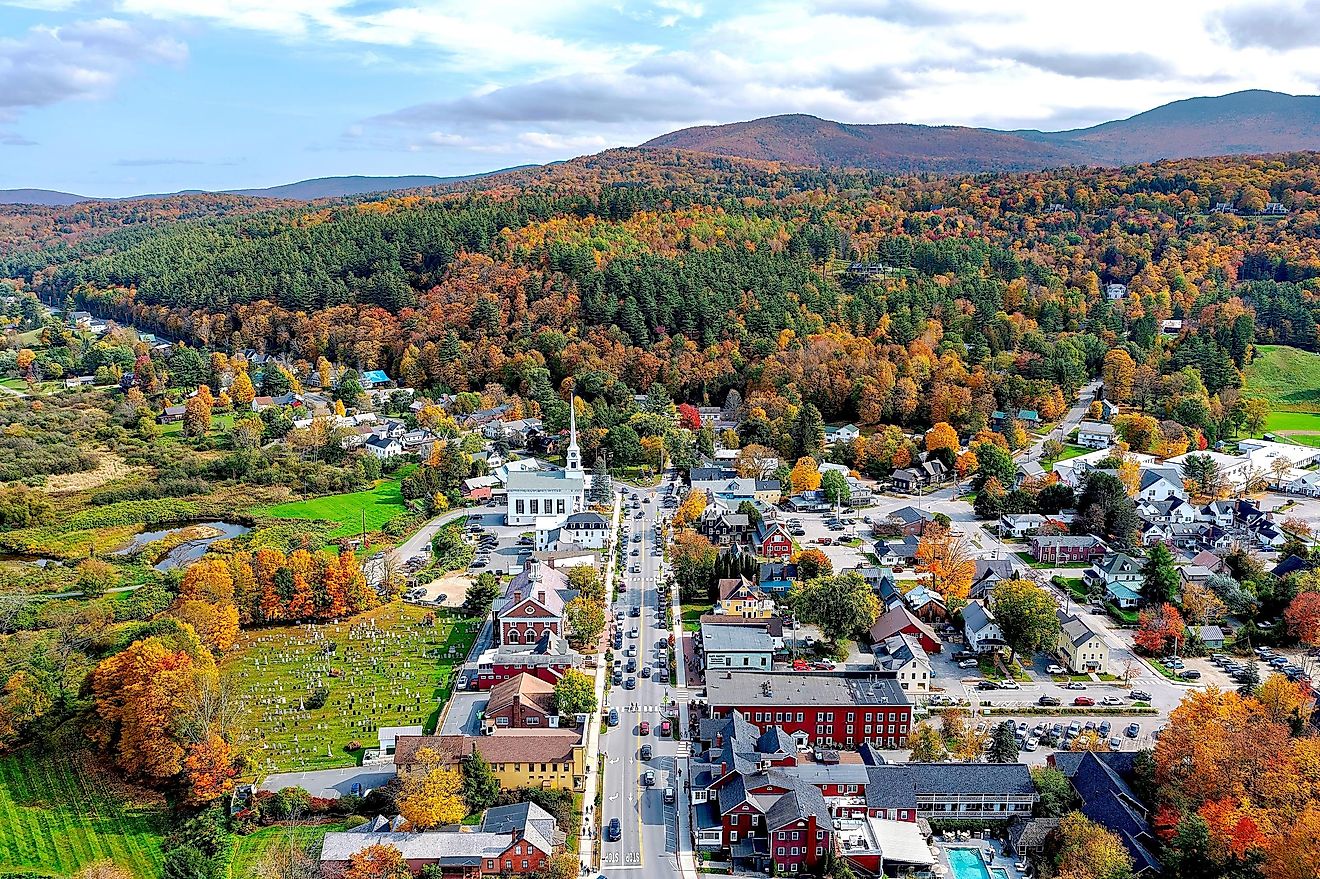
{"x": 572, "y": 456}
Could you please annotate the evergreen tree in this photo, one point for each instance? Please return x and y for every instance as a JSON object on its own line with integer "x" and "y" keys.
{"x": 807, "y": 432}
{"x": 1161, "y": 575}
{"x": 1003, "y": 745}
{"x": 481, "y": 789}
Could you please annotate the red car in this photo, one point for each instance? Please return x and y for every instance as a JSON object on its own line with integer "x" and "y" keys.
{"x": 664, "y": 728}
{"x": 801, "y": 665}
{"x": 1083, "y": 700}
{"x": 644, "y": 728}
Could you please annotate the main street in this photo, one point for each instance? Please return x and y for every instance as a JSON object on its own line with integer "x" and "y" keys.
{"x": 648, "y": 839}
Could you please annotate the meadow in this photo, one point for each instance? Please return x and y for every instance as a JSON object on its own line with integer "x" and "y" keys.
{"x": 251, "y": 850}
{"x": 59, "y": 813}
{"x": 393, "y": 666}
{"x": 375, "y": 507}
{"x": 1288, "y": 377}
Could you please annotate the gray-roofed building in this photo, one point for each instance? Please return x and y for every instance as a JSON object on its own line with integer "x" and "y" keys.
{"x": 828, "y": 707}
{"x": 1095, "y": 434}
{"x": 902, "y": 655}
{"x": 980, "y": 628}
{"x": 736, "y": 647}
{"x": 1101, "y": 781}
{"x": 991, "y": 791}
{"x": 1082, "y": 648}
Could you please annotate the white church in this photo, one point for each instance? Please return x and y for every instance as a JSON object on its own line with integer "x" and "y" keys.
{"x": 539, "y": 495}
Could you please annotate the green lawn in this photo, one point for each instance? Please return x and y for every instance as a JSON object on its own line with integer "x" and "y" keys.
{"x": 59, "y": 813}
{"x": 250, "y": 850}
{"x": 389, "y": 667}
{"x": 692, "y": 615}
{"x": 379, "y": 505}
{"x": 1288, "y": 377}
{"x": 220, "y": 423}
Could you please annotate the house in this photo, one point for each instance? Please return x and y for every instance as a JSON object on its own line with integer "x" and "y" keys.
{"x": 1119, "y": 576}
{"x": 590, "y": 530}
{"x": 900, "y": 620}
{"x": 979, "y": 627}
{"x": 897, "y": 553}
{"x": 1115, "y": 291}
{"x": 1212, "y": 637}
{"x": 903, "y": 522}
{"x": 838, "y": 435}
{"x": 1020, "y": 524}
{"x": 516, "y": 839}
{"x": 927, "y": 604}
{"x": 1067, "y": 548}
{"x": 777, "y": 577}
{"x": 533, "y": 605}
{"x": 988, "y": 572}
{"x": 882, "y": 583}
{"x": 79, "y": 381}
{"x": 767, "y": 491}
{"x": 902, "y": 655}
{"x": 1274, "y": 207}
{"x": 771, "y": 540}
{"x": 1291, "y": 565}
{"x": 1170, "y": 327}
{"x": 1102, "y": 782}
{"x": 1095, "y": 434}
{"x": 551, "y": 758}
{"x": 382, "y": 448}
{"x": 1108, "y": 409}
{"x": 1303, "y": 482}
{"x": 172, "y": 414}
{"x": 959, "y": 791}
{"x": 738, "y": 596}
{"x": 1160, "y": 484}
{"x": 1081, "y": 647}
{"x": 723, "y": 527}
{"x": 736, "y": 647}
{"x": 859, "y": 493}
{"x": 1029, "y": 416}
{"x": 547, "y": 658}
{"x": 522, "y": 702}
{"x": 373, "y": 378}
{"x": 1027, "y": 470}
{"x": 844, "y": 709}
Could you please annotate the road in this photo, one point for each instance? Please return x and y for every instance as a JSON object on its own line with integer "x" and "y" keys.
{"x": 1073, "y": 418}
{"x": 649, "y": 840}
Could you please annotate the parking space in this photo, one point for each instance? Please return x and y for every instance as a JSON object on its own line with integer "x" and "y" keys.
{"x": 816, "y": 526}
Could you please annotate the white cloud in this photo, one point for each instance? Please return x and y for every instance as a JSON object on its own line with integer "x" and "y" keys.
{"x": 84, "y": 59}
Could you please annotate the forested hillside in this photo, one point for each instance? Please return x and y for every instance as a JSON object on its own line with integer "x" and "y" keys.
{"x": 708, "y": 274}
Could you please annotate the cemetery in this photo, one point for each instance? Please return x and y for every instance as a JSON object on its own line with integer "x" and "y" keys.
{"x": 317, "y": 693}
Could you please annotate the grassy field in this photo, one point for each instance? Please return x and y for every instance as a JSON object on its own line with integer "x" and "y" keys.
{"x": 58, "y": 813}
{"x": 250, "y": 850}
{"x": 220, "y": 423}
{"x": 378, "y": 505}
{"x": 1288, "y": 377}
{"x": 389, "y": 667}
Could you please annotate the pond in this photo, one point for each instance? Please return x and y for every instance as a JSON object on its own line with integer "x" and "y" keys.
{"x": 188, "y": 551}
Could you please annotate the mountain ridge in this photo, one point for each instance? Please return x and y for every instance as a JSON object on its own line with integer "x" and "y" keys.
{"x": 302, "y": 190}
{"x": 1246, "y": 122}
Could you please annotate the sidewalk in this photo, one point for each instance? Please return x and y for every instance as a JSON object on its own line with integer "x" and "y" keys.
{"x": 687, "y": 861}
{"x": 586, "y": 835}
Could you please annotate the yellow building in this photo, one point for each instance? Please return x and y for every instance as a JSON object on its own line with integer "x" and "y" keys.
{"x": 1081, "y": 647}
{"x": 740, "y": 597}
{"x": 550, "y": 758}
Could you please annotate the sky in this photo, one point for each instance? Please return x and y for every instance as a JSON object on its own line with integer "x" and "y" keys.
{"x": 121, "y": 97}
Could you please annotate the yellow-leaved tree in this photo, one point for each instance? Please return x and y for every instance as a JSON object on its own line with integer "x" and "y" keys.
{"x": 432, "y": 794}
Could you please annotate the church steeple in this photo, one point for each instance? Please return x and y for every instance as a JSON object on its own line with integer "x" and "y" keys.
{"x": 573, "y": 455}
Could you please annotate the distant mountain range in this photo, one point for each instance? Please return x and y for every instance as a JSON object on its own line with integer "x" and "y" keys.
{"x": 1239, "y": 123}
{"x": 303, "y": 190}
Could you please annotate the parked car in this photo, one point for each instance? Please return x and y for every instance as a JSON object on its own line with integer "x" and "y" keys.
{"x": 968, "y": 663}
{"x": 1141, "y": 695}
{"x": 614, "y": 717}
{"x": 1049, "y": 700}
{"x": 669, "y": 795}
{"x": 1190, "y": 674}
{"x": 1083, "y": 700}
{"x": 1111, "y": 700}
{"x": 1115, "y": 744}
{"x": 1133, "y": 730}
{"x": 986, "y": 685}
{"x": 1009, "y": 684}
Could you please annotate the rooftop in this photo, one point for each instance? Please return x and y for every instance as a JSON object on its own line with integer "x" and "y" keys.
{"x": 798, "y": 688}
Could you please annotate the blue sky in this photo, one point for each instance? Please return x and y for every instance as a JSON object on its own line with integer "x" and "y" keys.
{"x": 120, "y": 97}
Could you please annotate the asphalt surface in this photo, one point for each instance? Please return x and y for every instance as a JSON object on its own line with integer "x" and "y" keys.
{"x": 649, "y": 831}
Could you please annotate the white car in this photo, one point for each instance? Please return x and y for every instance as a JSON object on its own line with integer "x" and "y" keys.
{"x": 1009, "y": 684}
{"x": 1057, "y": 670}
{"x": 1111, "y": 700}
{"x": 968, "y": 663}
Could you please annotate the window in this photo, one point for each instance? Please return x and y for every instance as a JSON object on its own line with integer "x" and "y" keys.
{"x": 819, "y": 851}
{"x": 518, "y": 506}
{"x": 559, "y": 505}
{"x": 781, "y": 851}
{"x": 524, "y": 863}
{"x": 535, "y": 505}
{"x": 733, "y": 836}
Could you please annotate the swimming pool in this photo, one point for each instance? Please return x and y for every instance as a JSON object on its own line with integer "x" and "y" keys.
{"x": 967, "y": 864}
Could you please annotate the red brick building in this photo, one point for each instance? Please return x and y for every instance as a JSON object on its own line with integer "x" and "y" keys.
{"x": 533, "y": 605}
{"x": 841, "y": 709}
{"x": 522, "y": 702}
{"x": 548, "y": 658}
{"x": 1067, "y": 548}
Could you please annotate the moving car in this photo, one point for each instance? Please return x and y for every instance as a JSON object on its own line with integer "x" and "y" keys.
{"x": 614, "y": 832}
{"x": 664, "y": 728}
{"x": 968, "y": 663}
{"x": 646, "y": 751}
{"x": 1083, "y": 700}
{"x": 1074, "y": 685}
{"x": 631, "y": 684}
{"x": 1111, "y": 700}
{"x": 648, "y": 778}
{"x": 614, "y": 717}
{"x": 1049, "y": 700}
{"x": 1141, "y": 695}
{"x": 644, "y": 728}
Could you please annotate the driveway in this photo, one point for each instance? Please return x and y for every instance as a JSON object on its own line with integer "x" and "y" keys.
{"x": 331, "y": 784}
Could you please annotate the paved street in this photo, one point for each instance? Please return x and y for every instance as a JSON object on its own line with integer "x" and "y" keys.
{"x": 648, "y": 839}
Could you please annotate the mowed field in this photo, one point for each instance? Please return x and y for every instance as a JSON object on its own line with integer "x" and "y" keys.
{"x": 59, "y": 813}
{"x": 251, "y": 850}
{"x": 1290, "y": 379}
{"x": 377, "y": 505}
{"x": 393, "y": 666}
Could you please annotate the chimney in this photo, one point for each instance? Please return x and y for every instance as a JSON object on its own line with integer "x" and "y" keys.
{"x": 517, "y": 595}
{"x": 540, "y": 595}
{"x": 724, "y": 767}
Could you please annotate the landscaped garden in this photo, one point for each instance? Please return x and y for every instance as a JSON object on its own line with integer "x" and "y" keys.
{"x": 313, "y": 690}
{"x": 59, "y": 812}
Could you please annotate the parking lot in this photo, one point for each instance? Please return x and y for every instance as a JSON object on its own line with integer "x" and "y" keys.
{"x": 814, "y": 527}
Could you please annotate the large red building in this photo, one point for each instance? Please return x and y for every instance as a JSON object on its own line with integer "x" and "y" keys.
{"x": 533, "y": 605}
{"x": 829, "y": 708}
{"x": 548, "y": 658}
